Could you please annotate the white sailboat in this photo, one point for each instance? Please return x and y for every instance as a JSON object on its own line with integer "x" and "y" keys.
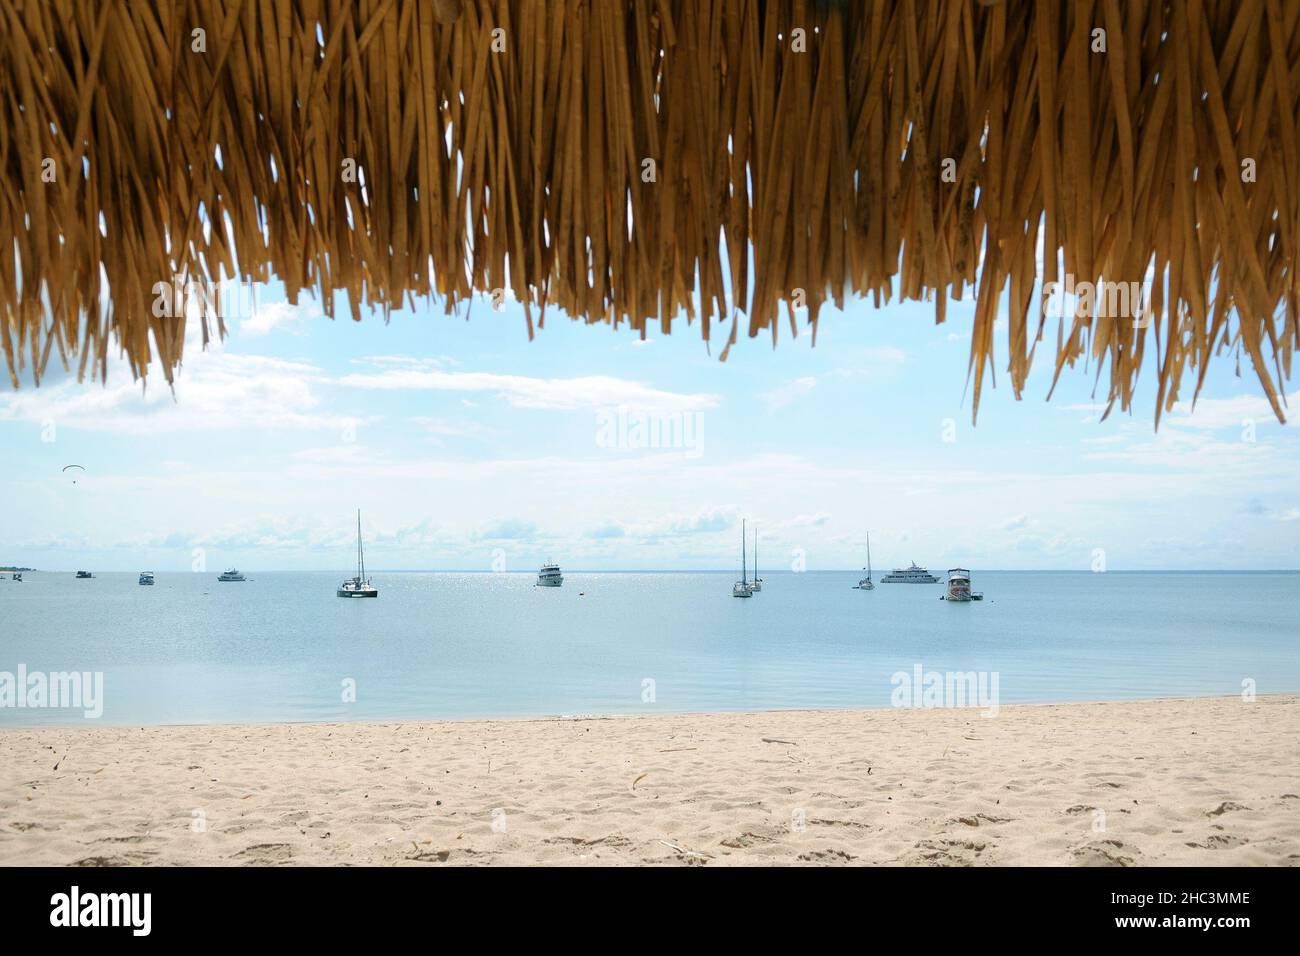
{"x": 865, "y": 584}
{"x": 359, "y": 586}
{"x": 742, "y": 588}
{"x": 756, "y": 584}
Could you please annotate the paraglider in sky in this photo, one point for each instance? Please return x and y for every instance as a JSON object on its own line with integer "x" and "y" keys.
{"x": 78, "y": 467}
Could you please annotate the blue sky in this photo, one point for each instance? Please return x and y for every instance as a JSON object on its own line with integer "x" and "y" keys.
{"x": 465, "y": 444}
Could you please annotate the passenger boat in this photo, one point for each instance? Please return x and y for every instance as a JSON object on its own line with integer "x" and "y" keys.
{"x": 958, "y": 585}
{"x": 549, "y": 576}
{"x": 913, "y": 575}
{"x": 146, "y": 578}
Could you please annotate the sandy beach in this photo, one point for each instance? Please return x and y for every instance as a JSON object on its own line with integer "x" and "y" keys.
{"x": 1183, "y": 782}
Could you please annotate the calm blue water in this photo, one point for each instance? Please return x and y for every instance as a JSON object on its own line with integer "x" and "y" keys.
{"x": 277, "y": 648}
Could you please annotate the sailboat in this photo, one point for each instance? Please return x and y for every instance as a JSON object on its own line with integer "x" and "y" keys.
{"x": 359, "y": 586}
{"x": 865, "y": 584}
{"x": 742, "y": 588}
{"x": 757, "y": 583}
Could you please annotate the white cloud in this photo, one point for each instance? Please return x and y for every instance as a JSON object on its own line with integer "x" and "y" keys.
{"x": 556, "y": 394}
{"x": 448, "y": 428}
{"x": 1013, "y": 523}
{"x": 789, "y": 393}
{"x": 267, "y": 318}
{"x": 1228, "y": 412}
{"x": 215, "y": 390}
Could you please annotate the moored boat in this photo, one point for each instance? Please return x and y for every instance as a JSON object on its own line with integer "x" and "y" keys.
{"x": 359, "y": 585}
{"x": 913, "y": 575}
{"x": 549, "y": 576}
{"x": 742, "y": 588}
{"x": 865, "y": 584}
{"x": 958, "y": 585}
{"x": 230, "y": 574}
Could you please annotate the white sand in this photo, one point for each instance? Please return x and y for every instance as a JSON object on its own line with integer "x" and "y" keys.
{"x": 1186, "y": 782}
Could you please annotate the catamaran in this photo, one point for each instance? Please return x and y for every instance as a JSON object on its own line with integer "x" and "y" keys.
{"x": 865, "y": 584}
{"x": 742, "y": 588}
{"x": 358, "y": 586}
{"x": 757, "y": 583}
{"x": 230, "y": 574}
{"x": 146, "y": 578}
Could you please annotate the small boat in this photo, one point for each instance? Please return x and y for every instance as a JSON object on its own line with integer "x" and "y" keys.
{"x": 81, "y": 575}
{"x": 230, "y": 574}
{"x": 549, "y": 576}
{"x": 742, "y": 588}
{"x": 958, "y": 585}
{"x": 358, "y": 586}
{"x": 913, "y": 575}
{"x": 18, "y": 576}
{"x": 756, "y": 584}
{"x": 865, "y": 584}
{"x": 146, "y": 578}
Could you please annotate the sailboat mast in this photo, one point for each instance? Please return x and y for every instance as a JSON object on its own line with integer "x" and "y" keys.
{"x": 744, "y": 578}
{"x": 755, "y": 555}
{"x": 868, "y": 555}
{"x": 361, "y": 553}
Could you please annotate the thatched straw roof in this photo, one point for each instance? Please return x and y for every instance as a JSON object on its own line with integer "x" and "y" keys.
{"x": 922, "y": 148}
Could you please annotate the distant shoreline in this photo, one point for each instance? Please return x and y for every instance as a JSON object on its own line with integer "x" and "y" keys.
{"x": 722, "y": 571}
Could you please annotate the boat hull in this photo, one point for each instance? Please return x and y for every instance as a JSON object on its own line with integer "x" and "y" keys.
{"x": 363, "y": 593}
{"x": 550, "y": 582}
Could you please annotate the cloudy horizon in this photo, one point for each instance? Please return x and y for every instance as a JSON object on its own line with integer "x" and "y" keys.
{"x": 467, "y": 447}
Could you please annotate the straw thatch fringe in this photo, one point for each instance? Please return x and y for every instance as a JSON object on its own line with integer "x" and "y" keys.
{"x": 503, "y": 144}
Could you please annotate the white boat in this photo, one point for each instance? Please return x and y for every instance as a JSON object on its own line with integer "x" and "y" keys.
{"x": 549, "y": 576}
{"x": 756, "y": 584}
{"x": 913, "y": 575}
{"x": 865, "y": 584}
{"x": 146, "y": 577}
{"x": 958, "y": 585}
{"x": 358, "y": 586}
{"x": 742, "y": 588}
{"x": 230, "y": 574}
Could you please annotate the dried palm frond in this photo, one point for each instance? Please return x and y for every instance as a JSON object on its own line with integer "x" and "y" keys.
{"x": 643, "y": 160}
